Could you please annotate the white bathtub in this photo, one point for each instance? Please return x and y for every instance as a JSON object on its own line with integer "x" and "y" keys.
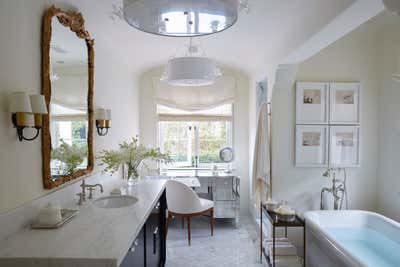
{"x": 351, "y": 238}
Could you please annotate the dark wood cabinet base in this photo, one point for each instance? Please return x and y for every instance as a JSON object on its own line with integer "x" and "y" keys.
{"x": 149, "y": 247}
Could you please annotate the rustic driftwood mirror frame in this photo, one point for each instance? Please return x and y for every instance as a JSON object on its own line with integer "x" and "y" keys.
{"x": 75, "y": 22}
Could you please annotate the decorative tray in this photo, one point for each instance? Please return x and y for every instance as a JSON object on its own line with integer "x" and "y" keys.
{"x": 66, "y": 215}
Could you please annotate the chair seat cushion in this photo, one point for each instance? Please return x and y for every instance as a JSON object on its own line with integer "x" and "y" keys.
{"x": 206, "y": 204}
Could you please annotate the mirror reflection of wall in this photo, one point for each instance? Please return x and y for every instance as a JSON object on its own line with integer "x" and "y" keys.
{"x": 68, "y": 105}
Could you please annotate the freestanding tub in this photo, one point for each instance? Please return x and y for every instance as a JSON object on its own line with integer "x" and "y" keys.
{"x": 351, "y": 238}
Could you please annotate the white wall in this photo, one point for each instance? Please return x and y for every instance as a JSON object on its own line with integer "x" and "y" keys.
{"x": 20, "y": 53}
{"x": 389, "y": 125}
{"x": 352, "y": 58}
{"x": 148, "y": 123}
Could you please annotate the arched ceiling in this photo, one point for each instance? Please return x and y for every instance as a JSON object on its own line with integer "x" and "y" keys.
{"x": 260, "y": 39}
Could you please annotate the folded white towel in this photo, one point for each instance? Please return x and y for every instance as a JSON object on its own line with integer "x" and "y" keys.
{"x": 50, "y": 215}
{"x": 288, "y": 261}
{"x": 279, "y": 239}
{"x": 282, "y": 249}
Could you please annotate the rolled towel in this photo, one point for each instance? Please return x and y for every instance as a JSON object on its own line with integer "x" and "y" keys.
{"x": 282, "y": 249}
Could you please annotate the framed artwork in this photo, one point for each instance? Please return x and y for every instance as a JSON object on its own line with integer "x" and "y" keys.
{"x": 344, "y": 144}
{"x": 312, "y": 103}
{"x": 344, "y": 103}
{"x": 311, "y": 146}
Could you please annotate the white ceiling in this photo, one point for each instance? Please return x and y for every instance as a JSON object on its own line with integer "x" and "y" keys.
{"x": 258, "y": 41}
{"x": 66, "y": 49}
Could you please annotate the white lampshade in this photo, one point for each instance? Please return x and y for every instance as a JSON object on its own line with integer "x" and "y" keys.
{"x": 181, "y": 17}
{"x": 101, "y": 114}
{"x": 108, "y": 114}
{"x": 19, "y": 102}
{"x": 38, "y": 104}
{"x": 191, "y": 71}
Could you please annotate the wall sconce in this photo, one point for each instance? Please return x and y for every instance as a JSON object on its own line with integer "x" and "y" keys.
{"x": 103, "y": 118}
{"x": 22, "y": 107}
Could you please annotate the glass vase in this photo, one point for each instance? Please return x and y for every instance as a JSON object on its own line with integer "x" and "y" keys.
{"x": 133, "y": 180}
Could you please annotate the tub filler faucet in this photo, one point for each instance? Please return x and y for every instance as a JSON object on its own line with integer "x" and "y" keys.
{"x": 338, "y": 189}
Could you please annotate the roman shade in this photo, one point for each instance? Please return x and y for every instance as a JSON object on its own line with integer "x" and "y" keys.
{"x": 219, "y": 113}
{"x": 195, "y": 98}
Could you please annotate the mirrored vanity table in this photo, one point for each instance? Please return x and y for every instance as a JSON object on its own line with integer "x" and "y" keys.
{"x": 221, "y": 187}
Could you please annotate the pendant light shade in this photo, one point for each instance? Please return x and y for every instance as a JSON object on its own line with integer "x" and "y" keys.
{"x": 191, "y": 71}
{"x": 181, "y": 17}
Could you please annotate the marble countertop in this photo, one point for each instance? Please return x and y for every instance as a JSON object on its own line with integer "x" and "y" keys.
{"x": 95, "y": 237}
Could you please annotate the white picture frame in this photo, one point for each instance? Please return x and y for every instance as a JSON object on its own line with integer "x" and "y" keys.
{"x": 344, "y": 146}
{"x": 344, "y": 103}
{"x": 312, "y": 103}
{"x": 311, "y": 146}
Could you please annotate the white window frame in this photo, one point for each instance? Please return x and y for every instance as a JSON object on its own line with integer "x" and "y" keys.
{"x": 190, "y": 153}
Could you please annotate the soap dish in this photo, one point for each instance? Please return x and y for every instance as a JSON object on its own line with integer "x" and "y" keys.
{"x": 66, "y": 215}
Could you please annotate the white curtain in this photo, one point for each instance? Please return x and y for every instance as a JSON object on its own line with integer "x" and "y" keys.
{"x": 192, "y": 98}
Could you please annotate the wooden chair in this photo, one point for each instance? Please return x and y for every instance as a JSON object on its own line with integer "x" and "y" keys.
{"x": 184, "y": 203}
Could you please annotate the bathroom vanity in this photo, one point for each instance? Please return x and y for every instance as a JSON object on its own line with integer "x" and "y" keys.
{"x": 133, "y": 235}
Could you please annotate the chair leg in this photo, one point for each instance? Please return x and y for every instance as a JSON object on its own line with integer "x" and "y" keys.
{"x": 188, "y": 222}
{"x": 168, "y": 222}
{"x": 212, "y": 221}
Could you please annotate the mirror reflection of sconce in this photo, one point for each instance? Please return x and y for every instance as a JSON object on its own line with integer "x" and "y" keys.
{"x": 27, "y": 112}
{"x": 103, "y": 118}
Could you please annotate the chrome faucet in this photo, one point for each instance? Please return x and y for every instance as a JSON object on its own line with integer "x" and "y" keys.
{"x": 338, "y": 190}
{"x": 82, "y": 195}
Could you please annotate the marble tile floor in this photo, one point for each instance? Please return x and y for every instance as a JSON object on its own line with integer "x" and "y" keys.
{"x": 229, "y": 247}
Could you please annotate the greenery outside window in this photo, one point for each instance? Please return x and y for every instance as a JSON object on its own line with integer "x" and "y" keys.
{"x": 194, "y": 139}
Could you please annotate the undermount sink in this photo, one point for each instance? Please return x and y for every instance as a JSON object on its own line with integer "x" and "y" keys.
{"x": 114, "y": 202}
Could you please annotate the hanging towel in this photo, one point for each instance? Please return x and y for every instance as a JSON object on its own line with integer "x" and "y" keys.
{"x": 261, "y": 160}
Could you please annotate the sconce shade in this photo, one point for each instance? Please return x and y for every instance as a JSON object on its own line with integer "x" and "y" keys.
{"x": 19, "y": 102}
{"x": 101, "y": 114}
{"x": 38, "y": 104}
{"x": 108, "y": 114}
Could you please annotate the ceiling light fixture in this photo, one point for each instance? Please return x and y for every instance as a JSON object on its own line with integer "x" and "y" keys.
{"x": 181, "y": 17}
{"x": 193, "y": 69}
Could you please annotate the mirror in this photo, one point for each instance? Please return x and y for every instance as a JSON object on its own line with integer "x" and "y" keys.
{"x": 226, "y": 154}
{"x": 68, "y": 88}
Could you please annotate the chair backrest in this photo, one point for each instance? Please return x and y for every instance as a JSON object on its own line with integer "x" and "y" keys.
{"x": 181, "y": 198}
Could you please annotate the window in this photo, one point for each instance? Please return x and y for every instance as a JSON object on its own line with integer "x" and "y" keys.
{"x": 194, "y": 139}
{"x": 69, "y": 125}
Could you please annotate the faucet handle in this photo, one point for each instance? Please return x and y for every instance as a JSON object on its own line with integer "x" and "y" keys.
{"x": 91, "y": 189}
{"x": 81, "y": 198}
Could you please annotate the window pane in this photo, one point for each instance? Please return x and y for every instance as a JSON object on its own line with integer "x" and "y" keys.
{"x": 192, "y": 139}
{"x": 213, "y": 135}
{"x": 175, "y": 139}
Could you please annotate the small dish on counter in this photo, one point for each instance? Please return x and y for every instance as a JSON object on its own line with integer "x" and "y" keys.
{"x": 66, "y": 215}
{"x": 285, "y": 213}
